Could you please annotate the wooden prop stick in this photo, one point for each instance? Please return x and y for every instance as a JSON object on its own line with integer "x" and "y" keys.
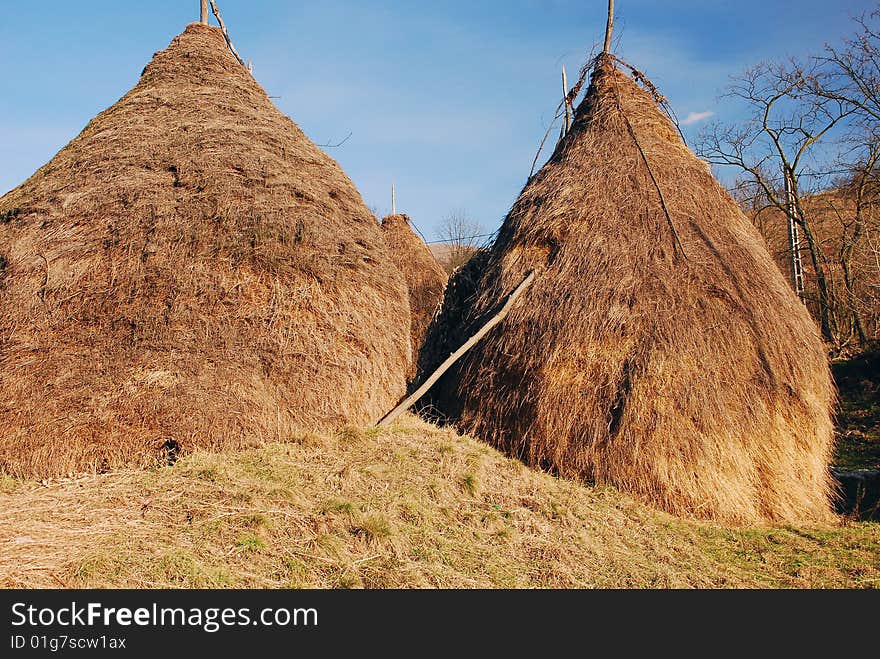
{"x": 216, "y": 10}
{"x": 458, "y": 354}
{"x": 565, "y": 90}
{"x": 203, "y": 19}
{"x": 609, "y": 28}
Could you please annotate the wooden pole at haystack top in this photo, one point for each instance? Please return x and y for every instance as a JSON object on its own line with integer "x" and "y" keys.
{"x": 204, "y": 17}
{"x": 609, "y": 28}
{"x": 568, "y": 112}
{"x": 216, "y": 11}
{"x": 393, "y": 200}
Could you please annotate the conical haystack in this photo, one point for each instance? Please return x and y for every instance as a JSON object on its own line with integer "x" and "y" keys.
{"x": 424, "y": 276}
{"x": 190, "y": 271}
{"x": 659, "y": 349}
{"x": 450, "y": 328}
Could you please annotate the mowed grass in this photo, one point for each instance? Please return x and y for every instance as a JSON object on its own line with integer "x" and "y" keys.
{"x": 415, "y": 506}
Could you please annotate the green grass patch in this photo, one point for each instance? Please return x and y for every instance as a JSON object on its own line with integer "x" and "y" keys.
{"x": 250, "y": 543}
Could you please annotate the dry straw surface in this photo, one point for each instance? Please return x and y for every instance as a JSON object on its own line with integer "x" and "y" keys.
{"x": 425, "y": 278}
{"x": 447, "y": 332}
{"x": 660, "y": 349}
{"x": 190, "y": 271}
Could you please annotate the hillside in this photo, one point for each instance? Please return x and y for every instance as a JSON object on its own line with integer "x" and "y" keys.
{"x": 849, "y": 250}
{"x": 441, "y": 252}
{"x": 414, "y": 506}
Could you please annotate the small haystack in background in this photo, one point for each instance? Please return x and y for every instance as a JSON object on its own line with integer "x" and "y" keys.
{"x": 190, "y": 271}
{"x": 448, "y": 329}
{"x": 659, "y": 349}
{"x": 424, "y": 276}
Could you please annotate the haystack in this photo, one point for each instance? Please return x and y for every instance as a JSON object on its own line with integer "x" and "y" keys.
{"x": 425, "y": 278}
{"x": 449, "y": 329}
{"x": 190, "y": 272}
{"x": 659, "y": 349}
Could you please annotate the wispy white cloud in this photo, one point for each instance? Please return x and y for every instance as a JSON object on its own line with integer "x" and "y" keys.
{"x": 697, "y": 117}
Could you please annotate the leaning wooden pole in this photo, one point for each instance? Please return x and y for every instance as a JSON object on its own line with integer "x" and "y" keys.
{"x": 204, "y": 17}
{"x": 565, "y": 90}
{"x": 216, "y": 10}
{"x": 458, "y": 354}
{"x": 609, "y": 28}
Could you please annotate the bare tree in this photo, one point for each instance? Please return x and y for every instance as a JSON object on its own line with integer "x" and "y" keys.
{"x": 853, "y": 70}
{"x": 853, "y": 78}
{"x": 855, "y": 219}
{"x": 872, "y": 237}
{"x": 776, "y": 149}
{"x": 462, "y": 236}
{"x": 809, "y": 156}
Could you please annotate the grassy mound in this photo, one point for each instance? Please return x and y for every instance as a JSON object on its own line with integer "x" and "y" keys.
{"x": 413, "y": 506}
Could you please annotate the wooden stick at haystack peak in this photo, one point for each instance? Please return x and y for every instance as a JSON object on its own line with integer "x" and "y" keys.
{"x": 661, "y": 351}
{"x": 609, "y": 28}
{"x": 203, "y": 19}
{"x": 569, "y": 112}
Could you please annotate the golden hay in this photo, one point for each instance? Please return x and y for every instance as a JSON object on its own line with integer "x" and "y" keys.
{"x": 689, "y": 376}
{"x": 425, "y": 278}
{"x": 446, "y": 333}
{"x": 191, "y": 271}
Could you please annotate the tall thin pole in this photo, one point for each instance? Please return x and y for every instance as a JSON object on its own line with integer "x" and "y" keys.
{"x": 216, "y": 10}
{"x": 204, "y": 16}
{"x": 393, "y": 200}
{"x": 609, "y": 28}
{"x": 565, "y": 100}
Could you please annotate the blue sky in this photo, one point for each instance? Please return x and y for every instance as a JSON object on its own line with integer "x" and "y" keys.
{"x": 447, "y": 99}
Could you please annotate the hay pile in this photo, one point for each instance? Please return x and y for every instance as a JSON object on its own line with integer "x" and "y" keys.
{"x": 666, "y": 356}
{"x": 424, "y": 276}
{"x": 449, "y": 329}
{"x": 191, "y": 271}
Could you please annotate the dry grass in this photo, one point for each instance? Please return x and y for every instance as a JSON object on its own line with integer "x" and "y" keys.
{"x": 190, "y": 268}
{"x": 414, "y": 506}
{"x": 424, "y": 276}
{"x": 664, "y": 355}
